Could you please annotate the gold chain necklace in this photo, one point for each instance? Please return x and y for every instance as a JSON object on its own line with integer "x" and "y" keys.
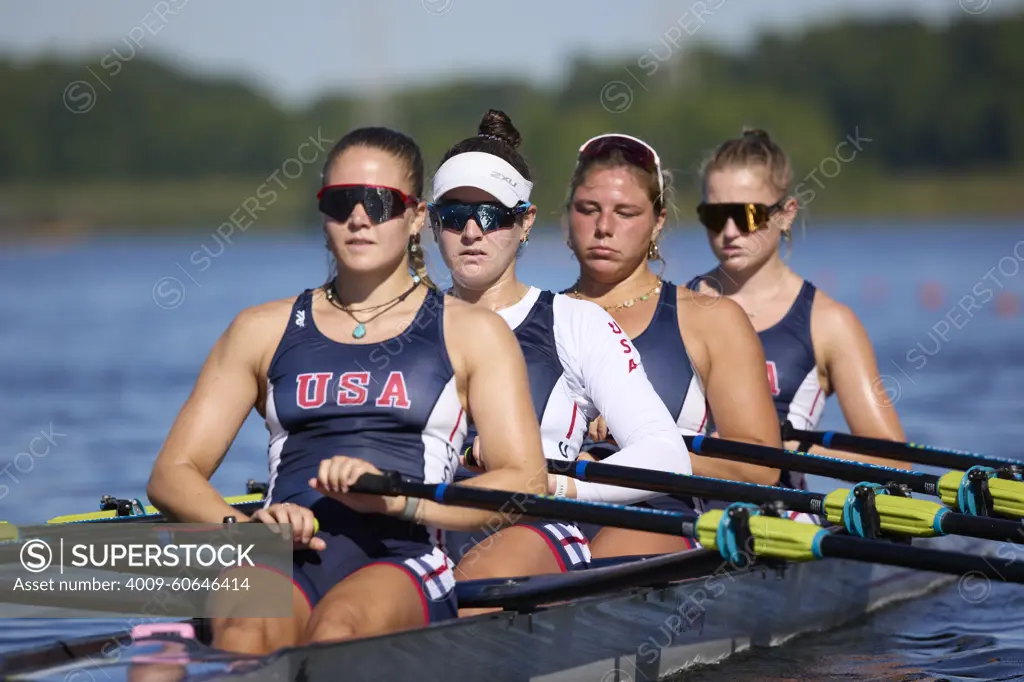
{"x": 656, "y": 289}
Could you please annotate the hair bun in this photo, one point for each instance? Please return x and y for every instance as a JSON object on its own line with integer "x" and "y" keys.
{"x": 496, "y": 124}
{"x": 756, "y": 133}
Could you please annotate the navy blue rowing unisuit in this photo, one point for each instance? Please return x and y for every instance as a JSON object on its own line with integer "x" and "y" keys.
{"x": 533, "y": 321}
{"x": 792, "y": 370}
{"x": 393, "y": 404}
{"x": 671, "y": 372}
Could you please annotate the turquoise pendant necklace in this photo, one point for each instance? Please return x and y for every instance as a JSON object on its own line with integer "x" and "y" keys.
{"x": 360, "y": 330}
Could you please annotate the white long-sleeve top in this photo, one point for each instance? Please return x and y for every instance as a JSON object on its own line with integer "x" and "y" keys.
{"x": 582, "y": 365}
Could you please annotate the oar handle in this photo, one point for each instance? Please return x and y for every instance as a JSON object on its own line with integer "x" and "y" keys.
{"x": 904, "y": 452}
{"x": 680, "y": 485}
{"x": 514, "y": 506}
{"x": 817, "y": 465}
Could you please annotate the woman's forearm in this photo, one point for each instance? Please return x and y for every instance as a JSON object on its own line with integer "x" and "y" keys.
{"x": 711, "y": 467}
{"x": 450, "y": 517}
{"x": 184, "y": 495}
{"x": 852, "y": 456}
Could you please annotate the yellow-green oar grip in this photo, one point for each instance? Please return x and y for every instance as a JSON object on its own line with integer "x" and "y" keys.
{"x": 773, "y": 537}
{"x": 1007, "y": 495}
{"x": 903, "y": 515}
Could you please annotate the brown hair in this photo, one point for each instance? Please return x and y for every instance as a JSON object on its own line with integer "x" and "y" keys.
{"x": 495, "y": 135}
{"x": 753, "y": 148}
{"x": 614, "y": 158}
{"x": 403, "y": 148}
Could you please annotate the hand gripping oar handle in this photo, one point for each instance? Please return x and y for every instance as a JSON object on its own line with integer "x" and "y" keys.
{"x": 680, "y": 485}
{"x": 514, "y": 506}
{"x": 904, "y": 452}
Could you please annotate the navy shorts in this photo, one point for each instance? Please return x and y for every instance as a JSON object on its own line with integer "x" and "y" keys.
{"x": 566, "y": 541}
{"x": 355, "y": 541}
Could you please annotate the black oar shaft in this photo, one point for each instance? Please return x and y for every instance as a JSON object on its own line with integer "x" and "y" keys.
{"x": 688, "y": 486}
{"x": 986, "y": 527}
{"x": 952, "y": 523}
{"x": 674, "y": 523}
{"x": 514, "y": 506}
{"x": 905, "y": 452}
{"x": 920, "y": 558}
{"x": 829, "y": 467}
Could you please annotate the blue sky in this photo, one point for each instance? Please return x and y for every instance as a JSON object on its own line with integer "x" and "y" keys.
{"x": 297, "y": 50}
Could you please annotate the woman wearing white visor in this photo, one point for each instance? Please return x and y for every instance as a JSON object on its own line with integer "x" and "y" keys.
{"x": 579, "y": 361}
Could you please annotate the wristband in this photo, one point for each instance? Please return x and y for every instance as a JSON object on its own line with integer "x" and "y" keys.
{"x": 411, "y": 506}
{"x": 561, "y": 485}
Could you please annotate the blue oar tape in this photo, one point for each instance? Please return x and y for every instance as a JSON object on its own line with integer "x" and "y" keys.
{"x": 853, "y": 509}
{"x": 725, "y": 536}
{"x": 965, "y": 497}
{"x": 937, "y": 521}
{"x": 439, "y": 492}
{"x": 581, "y": 469}
{"x": 826, "y": 438}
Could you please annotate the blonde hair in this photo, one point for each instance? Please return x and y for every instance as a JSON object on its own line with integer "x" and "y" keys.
{"x": 753, "y": 148}
{"x": 417, "y": 262}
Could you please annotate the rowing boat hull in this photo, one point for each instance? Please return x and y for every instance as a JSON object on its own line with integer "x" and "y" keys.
{"x": 635, "y": 635}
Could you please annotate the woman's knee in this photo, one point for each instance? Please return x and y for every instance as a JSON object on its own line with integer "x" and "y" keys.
{"x": 340, "y": 622}
{"x": 246, "y": 635}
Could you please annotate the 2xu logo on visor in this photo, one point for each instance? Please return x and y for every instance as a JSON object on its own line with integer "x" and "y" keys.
{"x": 380, "y": 203}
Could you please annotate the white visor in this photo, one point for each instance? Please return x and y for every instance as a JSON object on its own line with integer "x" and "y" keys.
{"x": 486, "y": 172}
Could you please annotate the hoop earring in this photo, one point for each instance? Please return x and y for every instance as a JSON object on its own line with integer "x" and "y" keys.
{"x": 653, "y": 252}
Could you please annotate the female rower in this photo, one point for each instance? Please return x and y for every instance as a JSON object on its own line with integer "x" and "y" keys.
{"x": 339, "y": 401}
{"x": 814, "y": 345}
{"x": 702, "y": 355}
{"x": 579, "y": 361}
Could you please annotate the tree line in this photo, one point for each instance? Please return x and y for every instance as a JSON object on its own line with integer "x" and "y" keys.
{"x": 922, "y": 100}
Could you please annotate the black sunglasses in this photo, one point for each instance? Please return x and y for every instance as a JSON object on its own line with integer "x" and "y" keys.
{"x": 489, "y": 216}
{"x": 380, "y": 203}
{"x": 748, "y": 217}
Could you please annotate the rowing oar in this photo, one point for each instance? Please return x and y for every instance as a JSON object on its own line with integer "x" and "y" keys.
{"x": 868, "y": 510}
{"x": 735, "y": 531}
{"x": 904, "y": 452}
{"x": 976, "y": 492}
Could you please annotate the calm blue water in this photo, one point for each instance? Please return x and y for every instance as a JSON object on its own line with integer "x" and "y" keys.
{"x": 98, "y": 350}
